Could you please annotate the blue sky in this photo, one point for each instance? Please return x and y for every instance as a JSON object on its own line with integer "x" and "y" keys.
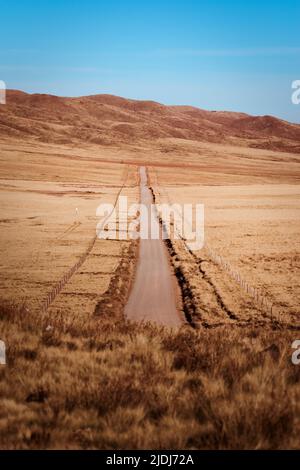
{"x": 232, "y": 55}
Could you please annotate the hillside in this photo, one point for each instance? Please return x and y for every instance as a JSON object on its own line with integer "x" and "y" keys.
{"x": 111, "y": 120}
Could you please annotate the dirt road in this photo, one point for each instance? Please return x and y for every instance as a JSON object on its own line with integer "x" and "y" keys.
{"x": 153, "y": 295}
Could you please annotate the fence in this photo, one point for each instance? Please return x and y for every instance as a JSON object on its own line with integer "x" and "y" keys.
{"x": 67, "y": 276}
{"x": 263, "y": 302}
{"x": 257, "y": 296}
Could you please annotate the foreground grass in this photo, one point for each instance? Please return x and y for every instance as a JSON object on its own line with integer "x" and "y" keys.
{"x": 107, "y": 384}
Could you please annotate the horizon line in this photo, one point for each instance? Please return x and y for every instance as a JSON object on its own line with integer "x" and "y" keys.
{"x": 156, "y": 102}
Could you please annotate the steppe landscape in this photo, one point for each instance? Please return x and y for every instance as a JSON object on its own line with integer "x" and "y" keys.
{"x": 81, "y": 373}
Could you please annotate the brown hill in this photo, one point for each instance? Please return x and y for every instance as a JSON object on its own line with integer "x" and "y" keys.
{"x": 111, "y": 120}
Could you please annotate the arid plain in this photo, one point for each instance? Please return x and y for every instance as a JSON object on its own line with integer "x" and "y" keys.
{"x": 78, "y": 374}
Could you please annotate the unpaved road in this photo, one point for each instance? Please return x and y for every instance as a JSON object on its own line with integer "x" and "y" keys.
{"x": 153, "y": 295}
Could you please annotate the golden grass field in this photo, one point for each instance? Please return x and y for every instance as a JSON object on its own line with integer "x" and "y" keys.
{"x": 252, "y": 219}
{"x": 78, "y": 375}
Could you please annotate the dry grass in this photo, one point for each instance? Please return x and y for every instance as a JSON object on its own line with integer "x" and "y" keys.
{"x": 252, "y": 226}
{"x": 100, "y": 382}
{"x": 107, "y": 120}
{"x": 41, "y": 237}
{"x": 79, "y": 376}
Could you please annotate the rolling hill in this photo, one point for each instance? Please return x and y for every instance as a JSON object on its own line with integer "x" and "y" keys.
{"x": 112, "y": 120}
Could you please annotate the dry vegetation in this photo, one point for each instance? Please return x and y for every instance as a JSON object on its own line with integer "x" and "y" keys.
{"x": 100, "y": 382}
{"x": 106, "y": 120}
{"x": 252, "y": 219}
{"x": 80, "y": 376}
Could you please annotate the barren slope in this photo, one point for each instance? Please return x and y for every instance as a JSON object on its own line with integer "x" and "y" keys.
{"x": 110, "y": 120}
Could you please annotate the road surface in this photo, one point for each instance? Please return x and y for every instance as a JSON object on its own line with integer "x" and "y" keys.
{"x": 153, "y": 294}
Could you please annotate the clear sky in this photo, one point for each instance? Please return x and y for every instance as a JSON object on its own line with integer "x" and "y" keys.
{"x": 232, "y": 55}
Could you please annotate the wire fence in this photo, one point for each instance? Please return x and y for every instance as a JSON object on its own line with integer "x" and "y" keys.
{"x": 51, "y": 296}
{"x": 262, "y": 300}
{"x": 259, "y": 298}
